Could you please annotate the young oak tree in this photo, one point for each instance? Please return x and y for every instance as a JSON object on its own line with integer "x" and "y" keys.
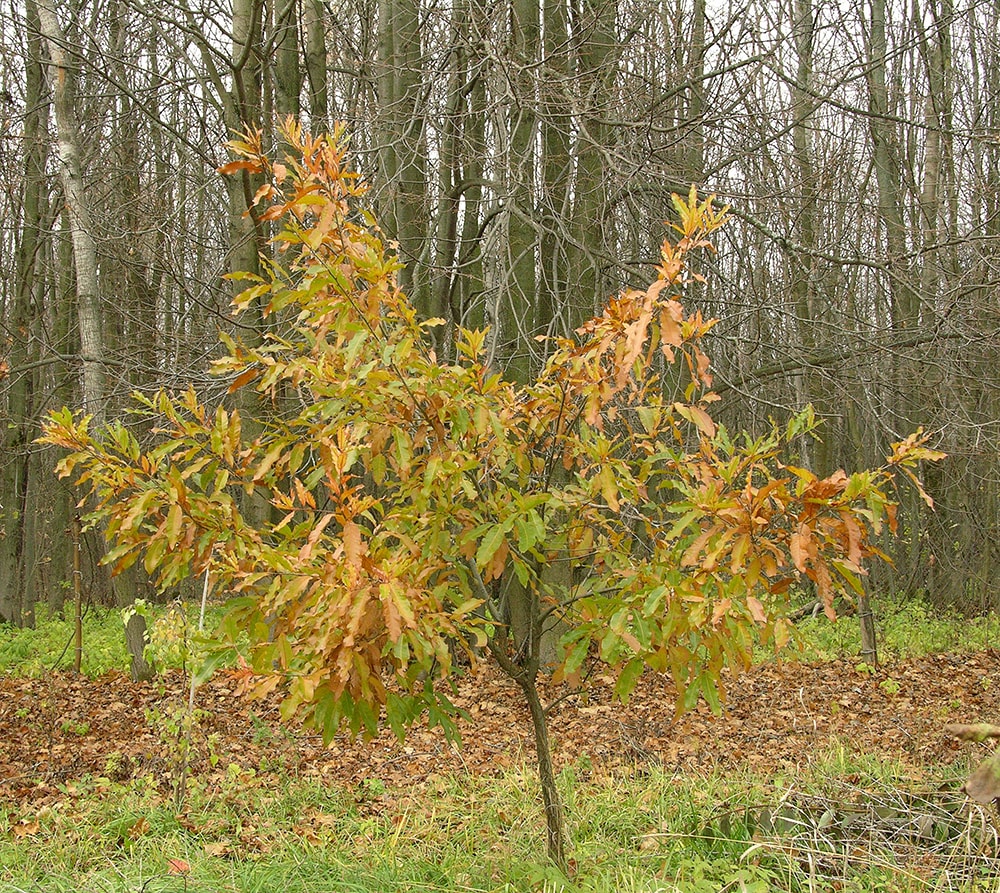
{"x": 419, "y": 509}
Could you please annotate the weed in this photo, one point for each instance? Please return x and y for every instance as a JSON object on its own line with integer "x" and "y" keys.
{"x": 890, "y": 686}
{"x": 74, "y": 727}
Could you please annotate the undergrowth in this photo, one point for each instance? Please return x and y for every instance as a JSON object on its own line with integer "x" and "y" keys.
{"x": 909, "y": 628}
{"x": 904, "y": 628}
{"x": 846, "y": 821}
{"x": 48, "y": 646}
{"x": 638, "y": 829}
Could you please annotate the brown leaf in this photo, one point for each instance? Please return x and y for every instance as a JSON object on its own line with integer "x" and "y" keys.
{"x": 983, "y": 785}
{"x": 218, "y": 848}
{"x": 976, "y": 732}
{"x": 177, "y": 866}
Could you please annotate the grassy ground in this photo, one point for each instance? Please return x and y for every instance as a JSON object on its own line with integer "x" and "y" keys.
{"x": 641, "y": 831}
{"x": 847, "y": 822}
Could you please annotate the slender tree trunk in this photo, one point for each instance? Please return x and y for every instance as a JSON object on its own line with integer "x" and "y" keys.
{"x": 519, "y": 291}
{"x": 88, "y": 301}
{"x": 555, "y": 822}
{"x": 17, "y": 577}
{"x": 315, "y": 63}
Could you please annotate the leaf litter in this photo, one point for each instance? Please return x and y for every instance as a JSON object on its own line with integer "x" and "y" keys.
{"x": 779, "y": 717}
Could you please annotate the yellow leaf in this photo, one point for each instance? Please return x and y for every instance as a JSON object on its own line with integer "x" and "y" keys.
{"x": 175, "y": 521}
{"x": 609, "y": 488}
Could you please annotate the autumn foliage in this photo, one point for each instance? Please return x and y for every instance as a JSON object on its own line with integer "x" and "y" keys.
{"x": 412, "y": 500}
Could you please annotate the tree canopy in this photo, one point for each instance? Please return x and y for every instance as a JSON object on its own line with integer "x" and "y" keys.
{"x": 417, "y": 509}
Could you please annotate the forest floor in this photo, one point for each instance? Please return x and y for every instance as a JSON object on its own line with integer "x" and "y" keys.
{"x": 778, "y": 717}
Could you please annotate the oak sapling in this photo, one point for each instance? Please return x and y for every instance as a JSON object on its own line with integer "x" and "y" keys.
{"x": 416, "y": 503}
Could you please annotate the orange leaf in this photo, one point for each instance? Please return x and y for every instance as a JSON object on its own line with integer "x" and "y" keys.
{"x": 756, "y": 609}
{"x": 247, "y": 375}
{"x": 177, "y": 866}
{"x": 798, "y": 547}
{"x": 352, "y": 543}
{"x": 235, "y": 166}
{"x": 305, "y": 553}
{"x": 634, "y": 342}
{"x": 721, "y": 609}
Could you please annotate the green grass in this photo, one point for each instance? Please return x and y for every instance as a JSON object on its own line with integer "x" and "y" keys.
{"x": 905, "y": 629}
{"x": 910, "y": 628}
{"x": 644, "y": 830}
{"x": 49, "y": 645}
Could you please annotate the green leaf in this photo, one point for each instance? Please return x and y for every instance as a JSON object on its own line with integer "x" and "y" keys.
{"x": 577, "y": 655}
{"x": 708, "y": 685}
{"x": 489, "y": 545}
{"x": 628, "y": 677}
{"x": 654, "y": 600}
{"x": 207, "y": 667}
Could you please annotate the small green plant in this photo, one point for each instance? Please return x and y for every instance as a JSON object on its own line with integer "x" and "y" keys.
{"x": 890, "y": 686}
{"x": 113, "y": 764}
{"x": 175, "y": 726}
{"x": 864, "y": 668}
{"x": 74, "y": 727}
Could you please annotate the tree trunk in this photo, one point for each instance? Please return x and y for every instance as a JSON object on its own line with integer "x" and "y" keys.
{"x": 85, "y": 265}
{"x": 555, "y": 822}
{"x": 17, "y": 576}
{"x": 88, "y": 302}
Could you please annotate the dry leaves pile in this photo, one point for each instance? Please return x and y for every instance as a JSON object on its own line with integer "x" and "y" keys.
{"x": 56, "y": 730}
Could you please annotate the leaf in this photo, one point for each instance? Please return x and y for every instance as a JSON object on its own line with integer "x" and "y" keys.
{"x": 627, "y": 679}
{"x": 489, "y": 545}
{"x": 798, "y": 547}
{"x": 177, "y": 866}
{"x": 576, "y": 655}
{"x": 352, "y": 544}
{"x": 756, "y": 610}
{"x": 175, "y": 521}
{"x": 245, "y": 377}
{"x": 220, "y": 848}
{"x": 609, "y": 488}
{"x": 697, "y": 416}
{"x": 983, "y": 785}
{"x": 976, "y": 732}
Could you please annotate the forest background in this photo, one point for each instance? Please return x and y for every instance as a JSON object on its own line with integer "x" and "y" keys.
{"x": 522, "y": 155}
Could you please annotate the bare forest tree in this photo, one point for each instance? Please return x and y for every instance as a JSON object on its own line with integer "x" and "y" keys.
{"x": 522, "y": 156}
